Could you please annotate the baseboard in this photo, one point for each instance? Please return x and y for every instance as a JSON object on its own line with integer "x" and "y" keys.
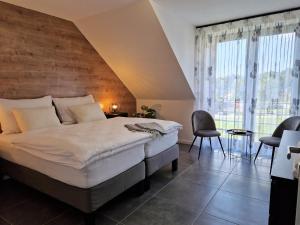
{"x": 185, "y": 141}
{"x": 188, "y": 141}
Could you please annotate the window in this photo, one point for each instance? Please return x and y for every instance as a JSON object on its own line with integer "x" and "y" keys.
{"x": 230, "y": 85}
{"x": 273, "y": 89}
{"x": 248, "y": 76}
{"x": 274, "y": 82}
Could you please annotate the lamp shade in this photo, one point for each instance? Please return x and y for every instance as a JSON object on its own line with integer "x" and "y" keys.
{"x": 114, "y": 107}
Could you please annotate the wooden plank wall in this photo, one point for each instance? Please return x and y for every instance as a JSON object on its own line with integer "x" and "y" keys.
{"x": 45, "y": 55}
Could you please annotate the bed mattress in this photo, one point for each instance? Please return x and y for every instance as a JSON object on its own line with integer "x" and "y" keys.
{"x": 89, "y": 176}
{"x": 160, "y": 144}
{"x": 95, "y": 173}
{"x": 84, "y": 155}
{"x": 81, "y": 144}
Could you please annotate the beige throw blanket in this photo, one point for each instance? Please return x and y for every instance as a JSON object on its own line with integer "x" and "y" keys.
{"x": 153, "y": 128}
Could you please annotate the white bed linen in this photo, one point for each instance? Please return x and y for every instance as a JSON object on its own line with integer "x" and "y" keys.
{"x": 81, "y": 144}
{"x": 93, "y": 174}
{"x": 107, "y": 164}
{"x": 160, "y": 144}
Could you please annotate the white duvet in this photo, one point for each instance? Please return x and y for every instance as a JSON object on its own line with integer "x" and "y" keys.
{"x": 81, "y": 144}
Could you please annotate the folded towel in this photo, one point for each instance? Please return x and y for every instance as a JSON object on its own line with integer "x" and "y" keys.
{"x": 153, "y": 128}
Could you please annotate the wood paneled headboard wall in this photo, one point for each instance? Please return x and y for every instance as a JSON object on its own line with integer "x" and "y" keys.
{"x": 45, "y": 55}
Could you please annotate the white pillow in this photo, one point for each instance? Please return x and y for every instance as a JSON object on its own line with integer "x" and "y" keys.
{"x": 63, "y": 107}
{"x": 87, "y": 112}
{"x": 36, "y": 118}
{"x": 7, "y": 119}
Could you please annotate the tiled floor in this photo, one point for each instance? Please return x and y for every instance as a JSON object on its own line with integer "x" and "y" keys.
{"x": 211, "y": 191}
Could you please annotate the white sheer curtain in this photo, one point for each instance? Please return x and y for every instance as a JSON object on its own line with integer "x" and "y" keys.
{"x": 248, "y": 72}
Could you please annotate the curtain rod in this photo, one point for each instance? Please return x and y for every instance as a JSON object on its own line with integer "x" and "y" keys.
{"x": 250, "y": 17}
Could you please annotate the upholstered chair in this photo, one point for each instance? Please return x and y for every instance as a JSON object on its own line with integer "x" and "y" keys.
{"x": 204, "y": 127}
{"x": 292, "y": 123}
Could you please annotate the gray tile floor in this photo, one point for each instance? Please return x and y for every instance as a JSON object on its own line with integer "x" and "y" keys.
{"x": 211, "y": 191}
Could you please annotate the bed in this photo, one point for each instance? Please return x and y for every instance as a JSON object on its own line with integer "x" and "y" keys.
{"x": 90, "y": 176}
{"x": 160, "y": 152}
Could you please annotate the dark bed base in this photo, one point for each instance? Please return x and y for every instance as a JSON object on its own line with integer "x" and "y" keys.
{"x": 87, "y": 200}
{"x": 160, "y": 160}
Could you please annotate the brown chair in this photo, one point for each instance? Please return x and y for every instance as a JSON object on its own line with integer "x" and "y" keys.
{"x": 292, "y": 123}
{"x": 204, "y": 127}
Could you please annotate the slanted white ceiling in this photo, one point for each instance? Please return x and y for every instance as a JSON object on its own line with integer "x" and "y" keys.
{"x": 201, "y": 12}
{"x": 71, "y": 9}
{"x": 133, "y": 43}
{"x": 197, "y": 12}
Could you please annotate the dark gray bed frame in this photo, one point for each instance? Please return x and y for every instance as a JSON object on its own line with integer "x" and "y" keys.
{"x": 156, "y": 162}
{"x": 88, "y": 200}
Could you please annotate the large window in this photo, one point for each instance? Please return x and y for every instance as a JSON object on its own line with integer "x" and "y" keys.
{"x": 248, "y": 72}
{"x": 274, "y": 82}
{"x": 230, "y": 85}
{"x": 272, "y": 94}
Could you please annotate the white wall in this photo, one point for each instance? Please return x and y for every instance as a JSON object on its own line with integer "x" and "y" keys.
{"x": 176, "y": 110}
{"x": 181, "y": 36}
{"x": 132, "y": 41}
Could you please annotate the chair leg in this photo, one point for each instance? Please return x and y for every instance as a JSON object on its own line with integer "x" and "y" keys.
{"x": 200, "y": 147}
{"x": 221, "y": 146}
{"x": 259, "y": 148}
{"x": 210, "y": 144}
{"x": 273, "y": 151}
{"x": 193, "y": 143}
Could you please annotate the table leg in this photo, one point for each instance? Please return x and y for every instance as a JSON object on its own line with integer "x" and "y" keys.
{"x": 250, "y": 146}
{"x": 246, "y": 146}
{"x": 231, "y": 137}
{"x": 228, "y": 144}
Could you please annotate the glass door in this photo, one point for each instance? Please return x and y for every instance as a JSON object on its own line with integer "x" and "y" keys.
{"x": 230, "y": 85}
{"x": 275, "y": 83}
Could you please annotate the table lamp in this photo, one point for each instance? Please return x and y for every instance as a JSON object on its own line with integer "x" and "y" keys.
{"x": 114, "y": 107}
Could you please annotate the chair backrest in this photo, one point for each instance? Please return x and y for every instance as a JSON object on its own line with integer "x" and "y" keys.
{"x": 292, "y": 123}
{"x": 202, "y": 120}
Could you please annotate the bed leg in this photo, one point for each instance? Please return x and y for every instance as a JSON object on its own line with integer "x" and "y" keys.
{"x": 174, "y": 165}
{"x": 90, "y": 218}
{"x": 140, "y": 188}
{"x": 2, "y": 177}
{"x": 147, "y": 184}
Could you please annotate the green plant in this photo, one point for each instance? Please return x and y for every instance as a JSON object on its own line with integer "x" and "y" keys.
{"x": 146, "y": 112}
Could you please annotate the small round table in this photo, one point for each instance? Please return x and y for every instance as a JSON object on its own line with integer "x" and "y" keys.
{"x": 244, "y": 133}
